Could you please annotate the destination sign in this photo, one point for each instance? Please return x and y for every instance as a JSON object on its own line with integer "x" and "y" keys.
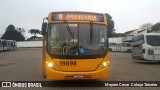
{"x": 65, "y": 16}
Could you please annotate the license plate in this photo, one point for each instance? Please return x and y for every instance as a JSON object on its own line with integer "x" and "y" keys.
{"x": 78, "y": 76}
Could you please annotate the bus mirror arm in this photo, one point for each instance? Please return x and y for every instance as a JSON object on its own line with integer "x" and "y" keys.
{"x": 44, "y": 27}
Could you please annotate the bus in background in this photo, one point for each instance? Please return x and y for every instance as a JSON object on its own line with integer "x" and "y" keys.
{"x": 122, "y": 47}
{"x": 146, "y": 46}
{"x": 75, "y": 46}
{"x": 1, "y": 45}
{"x": 6, "y": 45}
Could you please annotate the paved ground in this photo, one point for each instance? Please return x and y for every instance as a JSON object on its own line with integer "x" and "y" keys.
{"x": 25, "y": 65}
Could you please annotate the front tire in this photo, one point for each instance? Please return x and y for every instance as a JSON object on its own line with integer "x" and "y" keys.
{"x": 110, "y": 49}
{"x": 129, "y": 50}
{"x": 44, "y": 69}
{"x": 133, "y": 57}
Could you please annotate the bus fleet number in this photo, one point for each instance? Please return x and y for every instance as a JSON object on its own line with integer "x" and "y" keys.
{"x": 68, "y": 63}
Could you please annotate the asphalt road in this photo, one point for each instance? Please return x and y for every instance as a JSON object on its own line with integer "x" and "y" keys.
{"x": 25, "y": 65}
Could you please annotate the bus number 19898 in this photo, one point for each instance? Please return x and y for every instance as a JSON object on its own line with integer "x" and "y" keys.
{"x": 68, "y": 63}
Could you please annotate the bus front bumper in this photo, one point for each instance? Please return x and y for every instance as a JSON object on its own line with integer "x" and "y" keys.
{"x": 59, "y": 75}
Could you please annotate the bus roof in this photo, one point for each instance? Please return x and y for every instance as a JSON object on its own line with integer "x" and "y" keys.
{"x": 152, "y": 34}
{"x": 76, "y": 16}
{"x": 76, "y": 12}
{"x": 148, "y": 34}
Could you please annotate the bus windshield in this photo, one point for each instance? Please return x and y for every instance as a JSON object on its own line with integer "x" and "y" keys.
{"x": 153, "y": 40}
{"x": 77, "y": 39}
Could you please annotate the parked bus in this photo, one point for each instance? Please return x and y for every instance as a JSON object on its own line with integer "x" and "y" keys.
{"x": 75, "y": 46}
{"x": 122, "y": 47}
{"x": 1, "y": 45}
{"x": 146, "y": 46}
{"x": 6, "y": 45}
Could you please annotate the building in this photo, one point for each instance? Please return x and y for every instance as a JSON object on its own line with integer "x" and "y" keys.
{"x": 130, "y": 34}
{"x": 34, "y": 38}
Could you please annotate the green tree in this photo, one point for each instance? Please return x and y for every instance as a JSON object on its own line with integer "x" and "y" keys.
{"x": 156, "y": 27}
{"x": 35, "y": 32}
{"x": 110, "y": 25}
{"x": 21, "y": 30}
{"x": 12, "y": 34}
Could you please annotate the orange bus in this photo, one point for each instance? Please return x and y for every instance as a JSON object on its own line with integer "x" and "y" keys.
{"x": 75, "y": 46}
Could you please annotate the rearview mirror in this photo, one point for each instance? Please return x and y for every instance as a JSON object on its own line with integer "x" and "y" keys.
{"x": 44, "y": 27}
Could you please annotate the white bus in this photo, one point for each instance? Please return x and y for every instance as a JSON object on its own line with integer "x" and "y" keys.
{"x": 1, "y": 45}
{"x": 124, "y": 47}
{"x": 146, "y": 46}
{"x": 7, "y": 45}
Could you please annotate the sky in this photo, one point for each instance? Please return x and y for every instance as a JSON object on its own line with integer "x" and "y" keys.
{"x": 127, "y": 14}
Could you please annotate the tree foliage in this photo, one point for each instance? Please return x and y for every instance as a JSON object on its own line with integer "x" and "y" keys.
{"x": 156, "y": 27}
{"x": 35, "y": 32}
{"x": 110, "y": 24}
{"x": 12, "y": 34}
{"x": 21, "y": 30}
{"x": 146, "y": 26}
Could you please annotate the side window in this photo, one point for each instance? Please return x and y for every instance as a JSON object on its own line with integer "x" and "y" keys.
{"x": 128, "y": 45}
{"x": 138, "y": 38}
{"x": 112, "y": 44}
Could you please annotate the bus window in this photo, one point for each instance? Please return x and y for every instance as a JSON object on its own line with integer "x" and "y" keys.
{"x": 96, "y": 44}
{"x": 138, "y": 38}
{"x": 62, "y": 38}
{"x": 128, "y": 45}
{"x": 153, "y": 40}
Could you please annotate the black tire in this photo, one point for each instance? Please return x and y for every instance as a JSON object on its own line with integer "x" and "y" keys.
{"x": 43, "y": 69}
{"x": 110, "y": 49}
{"x": 133, "y": 57}
{"x": 129, "y": 50}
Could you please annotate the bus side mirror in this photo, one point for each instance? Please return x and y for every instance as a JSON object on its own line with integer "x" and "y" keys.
{"x": 44, "y": 28}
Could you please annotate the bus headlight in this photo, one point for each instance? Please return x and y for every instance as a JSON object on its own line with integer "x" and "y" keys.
{"x": 103, "y": 65}
{"x": 52, "y": 65}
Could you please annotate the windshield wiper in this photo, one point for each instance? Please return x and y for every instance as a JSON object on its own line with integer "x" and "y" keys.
{"x": 69, "y": 30}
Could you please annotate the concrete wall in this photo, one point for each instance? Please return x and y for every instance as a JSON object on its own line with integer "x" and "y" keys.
{"x": 29, "y": 44}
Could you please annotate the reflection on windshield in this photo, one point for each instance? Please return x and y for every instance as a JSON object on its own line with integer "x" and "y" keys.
{"x": 75, "y": 39}
{"x": 153, "y": 40}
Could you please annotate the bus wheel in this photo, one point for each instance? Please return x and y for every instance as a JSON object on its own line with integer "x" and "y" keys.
{"x": 128, "y": 50}
{"x": 133, "y": 57}
{"x": 43, "y": 70}
{"x": 110, "y": 49}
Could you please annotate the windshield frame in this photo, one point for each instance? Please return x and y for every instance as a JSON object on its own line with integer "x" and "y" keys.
{"x": 79, "y": 56}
